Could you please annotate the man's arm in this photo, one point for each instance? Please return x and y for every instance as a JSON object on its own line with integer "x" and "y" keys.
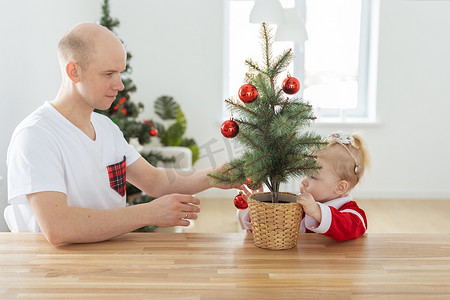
{"x": 158, "y": 182}
{"x": 63, "y": 224}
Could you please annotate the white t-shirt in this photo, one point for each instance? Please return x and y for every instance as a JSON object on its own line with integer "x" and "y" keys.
{"x": 49, "y": 153}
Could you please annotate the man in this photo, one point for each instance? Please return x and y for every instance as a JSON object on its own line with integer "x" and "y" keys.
{"x": 67, "y": 166}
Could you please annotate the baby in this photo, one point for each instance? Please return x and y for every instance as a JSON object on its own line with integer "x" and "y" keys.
{"x": 328, "y": 206}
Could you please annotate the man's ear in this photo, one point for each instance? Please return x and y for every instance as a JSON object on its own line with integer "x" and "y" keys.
{"x": 72, "y": 72}
{"x": 342, "y": 187}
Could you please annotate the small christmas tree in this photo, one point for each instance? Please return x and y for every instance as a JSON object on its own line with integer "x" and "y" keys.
{"x": 269, "y": 125}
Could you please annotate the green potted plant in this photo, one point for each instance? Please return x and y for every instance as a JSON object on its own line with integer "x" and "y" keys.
{"x": 172, "y": 128}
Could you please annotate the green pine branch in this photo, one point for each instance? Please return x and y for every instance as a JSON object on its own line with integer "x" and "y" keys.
{"x": 282, "y": 63}
{"x": 106, "y": 19}
{"x": 267, "y": 45}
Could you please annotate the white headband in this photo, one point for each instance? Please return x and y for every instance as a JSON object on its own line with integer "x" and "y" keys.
{"x": 343, "y": 139}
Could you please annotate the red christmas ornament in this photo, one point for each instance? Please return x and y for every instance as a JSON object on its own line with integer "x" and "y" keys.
{"x": 290, "y": 85}
{"x": 153, "y": 132}
{"x": 253, "y": 185}
{"x": 240, "y": 202}
{"x": 248, "y": 93}
{"x": 124, "y": 111}
{"x": 122, "y": 100}
{"x": 229, "y": 129}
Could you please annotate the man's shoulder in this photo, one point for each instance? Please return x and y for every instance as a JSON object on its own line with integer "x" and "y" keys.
{"x": 35, "y": 121}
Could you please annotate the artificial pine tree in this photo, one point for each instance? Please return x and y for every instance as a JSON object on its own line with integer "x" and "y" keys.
{"x": 125, "y": 112}
{"x": 270, "y": 125}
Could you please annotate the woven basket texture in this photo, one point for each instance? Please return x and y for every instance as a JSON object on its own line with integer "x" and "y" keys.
{"x": 275, "y": 225}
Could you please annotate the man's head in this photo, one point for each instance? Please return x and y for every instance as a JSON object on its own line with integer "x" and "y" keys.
{"x": 76, "y": 48}
{"x": 92, "y": 58}
{"x": 80, "y": 44}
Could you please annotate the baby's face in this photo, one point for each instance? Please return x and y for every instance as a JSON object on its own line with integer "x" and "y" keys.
{"x": 323, "y": 186}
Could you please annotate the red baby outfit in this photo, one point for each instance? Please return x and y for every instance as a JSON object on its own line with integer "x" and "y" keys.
{"x": 342, "y": 220}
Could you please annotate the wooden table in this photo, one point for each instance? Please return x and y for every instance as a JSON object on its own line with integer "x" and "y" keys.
{"x": 225, "y": 266}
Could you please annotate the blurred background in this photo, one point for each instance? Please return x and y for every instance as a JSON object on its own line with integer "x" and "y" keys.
{"x": 193, "y": 50}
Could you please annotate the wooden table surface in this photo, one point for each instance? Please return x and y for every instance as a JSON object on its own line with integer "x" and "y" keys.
{"x": 225, "y": 266}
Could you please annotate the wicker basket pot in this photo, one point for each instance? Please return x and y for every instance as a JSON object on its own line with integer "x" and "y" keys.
{"x": 275, "y": 225}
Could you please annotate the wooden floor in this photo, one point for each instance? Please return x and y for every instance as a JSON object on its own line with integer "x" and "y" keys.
{"x": 384, "y": 216}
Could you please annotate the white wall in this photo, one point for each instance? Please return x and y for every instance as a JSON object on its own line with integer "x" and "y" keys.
{"x": 410, "y": 147}
{"x": 178, "y": 50}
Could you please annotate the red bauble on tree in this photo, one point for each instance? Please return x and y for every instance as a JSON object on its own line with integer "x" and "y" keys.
{"x": 153, "y": 132}
{"x": 240, "y": 202}
{"x": 229, "y": 129}
{"x": 248, "y": 93}
{"x": 290, "y": 85}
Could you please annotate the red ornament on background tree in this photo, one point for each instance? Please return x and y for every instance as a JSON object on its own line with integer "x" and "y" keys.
{"x": 290, "y": 85}
{"x": 122, "y": 100}
{"x": 248, "y": 93}
{"x": 153, "y": 132}
{"x": 229, "y": 129}
{"x": 240, "y": 202}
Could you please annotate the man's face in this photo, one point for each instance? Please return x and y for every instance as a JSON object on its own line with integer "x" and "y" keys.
{"x": 101, "y": 81}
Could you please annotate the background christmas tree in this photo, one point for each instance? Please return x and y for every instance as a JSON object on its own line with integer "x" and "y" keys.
{"x": 270, "y": 125}
{"x": 125, "y": 113}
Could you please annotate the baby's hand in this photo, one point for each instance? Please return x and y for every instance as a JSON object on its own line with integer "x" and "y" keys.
{"x": 310, "y": 206}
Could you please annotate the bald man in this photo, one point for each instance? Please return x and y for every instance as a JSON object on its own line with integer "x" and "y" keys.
{"x": 67, "y": 165}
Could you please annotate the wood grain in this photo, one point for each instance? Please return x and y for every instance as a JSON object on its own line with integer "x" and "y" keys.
{"x": 226, "y": 266}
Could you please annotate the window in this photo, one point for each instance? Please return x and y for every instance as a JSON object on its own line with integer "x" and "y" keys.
{"x": 244, "y": 43}
{"x": 336, "y": 66}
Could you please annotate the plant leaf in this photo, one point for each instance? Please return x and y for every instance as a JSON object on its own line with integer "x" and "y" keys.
{"x": 173, "y": 135}
{"x": 166, "y": 108}
{"x": 181, "y": 120}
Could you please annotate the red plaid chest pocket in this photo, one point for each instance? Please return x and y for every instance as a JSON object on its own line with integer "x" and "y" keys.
{"x": 117, "y": 174}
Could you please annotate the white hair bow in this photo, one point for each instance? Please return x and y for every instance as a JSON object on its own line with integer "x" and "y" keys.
{"x": 340, "y": 137}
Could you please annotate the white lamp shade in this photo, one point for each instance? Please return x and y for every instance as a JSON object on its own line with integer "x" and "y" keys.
{"x": 269, "y": 11}
{"x": 293, "y": 29}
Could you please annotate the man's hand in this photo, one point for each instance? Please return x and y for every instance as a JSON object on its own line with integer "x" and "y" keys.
{"x": 173, "y": 210}
{"x": 63, "y": 224}
{"x": 225, "y": 186}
